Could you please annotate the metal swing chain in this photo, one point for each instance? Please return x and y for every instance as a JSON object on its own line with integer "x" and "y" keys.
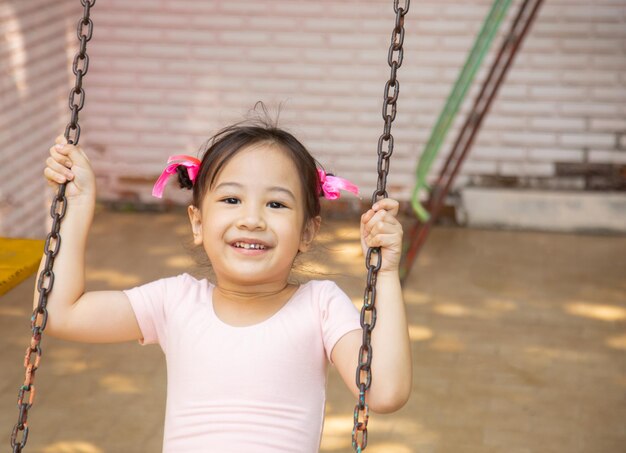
{"x": 26, "y": 393}
{"x": 373, "y": 259}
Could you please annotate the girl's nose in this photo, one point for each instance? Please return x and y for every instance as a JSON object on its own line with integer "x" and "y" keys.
{"x": 251, "y": 220}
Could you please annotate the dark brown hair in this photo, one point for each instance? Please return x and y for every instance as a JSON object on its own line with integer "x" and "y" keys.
{"x": 224, "y": 145}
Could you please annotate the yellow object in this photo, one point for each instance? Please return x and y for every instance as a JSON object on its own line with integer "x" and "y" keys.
{"x": 19, "y": 258}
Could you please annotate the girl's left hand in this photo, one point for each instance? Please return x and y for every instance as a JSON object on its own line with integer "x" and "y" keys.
{"x": 381, "y": 228}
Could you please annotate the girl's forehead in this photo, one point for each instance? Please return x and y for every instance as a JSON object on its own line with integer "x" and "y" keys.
{"x": 264, "y": 156}
{"x": 258, "y": 165}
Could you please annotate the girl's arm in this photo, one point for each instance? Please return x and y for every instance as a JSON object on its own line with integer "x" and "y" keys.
{"x": 391, "y": 348}
{"x": 102, "y": 316}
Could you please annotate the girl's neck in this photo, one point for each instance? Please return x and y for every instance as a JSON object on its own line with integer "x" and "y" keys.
{"x": 253, "y": 293}
{"x": 241, "y": 306}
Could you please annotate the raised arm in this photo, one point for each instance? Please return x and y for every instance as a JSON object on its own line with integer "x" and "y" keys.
{"x": 97, "y": 317}
{"x": 391, "y": 348}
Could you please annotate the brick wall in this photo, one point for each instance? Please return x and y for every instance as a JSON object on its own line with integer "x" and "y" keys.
{"x": 33, "y": 97}
{"x": 165, "y": 75}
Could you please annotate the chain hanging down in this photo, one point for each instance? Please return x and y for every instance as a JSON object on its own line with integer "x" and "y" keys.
{"x": 26, "y": 393}
{"x": 373, "y": 259}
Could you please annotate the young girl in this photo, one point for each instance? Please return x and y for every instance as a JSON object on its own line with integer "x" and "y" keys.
{"x": 246, "y": 355}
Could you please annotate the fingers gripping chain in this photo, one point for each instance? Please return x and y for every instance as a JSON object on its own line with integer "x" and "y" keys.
{"x": 373, "y": 260}
{"x": 39, "y": 319}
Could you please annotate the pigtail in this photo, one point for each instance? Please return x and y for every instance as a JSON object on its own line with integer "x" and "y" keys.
{"x": 183, "y": 177}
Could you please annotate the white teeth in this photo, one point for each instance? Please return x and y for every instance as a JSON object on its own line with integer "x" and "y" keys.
{"x": 245, "y": 245}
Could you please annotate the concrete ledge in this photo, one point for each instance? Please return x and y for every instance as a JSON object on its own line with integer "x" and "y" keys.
{"x": 543, "y": 210}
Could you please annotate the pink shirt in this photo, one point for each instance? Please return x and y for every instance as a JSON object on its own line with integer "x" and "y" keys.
{"x": 258, "y": 388}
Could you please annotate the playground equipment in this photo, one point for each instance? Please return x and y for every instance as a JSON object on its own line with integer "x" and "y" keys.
{"x": 45, "y": 283}
{"x": 427, "y": 216}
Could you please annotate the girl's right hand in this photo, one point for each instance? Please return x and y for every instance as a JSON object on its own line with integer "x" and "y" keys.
{"x": 69, "y": 163}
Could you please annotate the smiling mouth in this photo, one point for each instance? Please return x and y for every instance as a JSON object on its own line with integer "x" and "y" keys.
{"x": 249, "y": 246}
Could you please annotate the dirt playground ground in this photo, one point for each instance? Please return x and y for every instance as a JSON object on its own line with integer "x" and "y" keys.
{"x": 519, "y": 346}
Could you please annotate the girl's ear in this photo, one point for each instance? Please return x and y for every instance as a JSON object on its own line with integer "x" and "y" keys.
{"x": 308, "y": 234}
{"x": 195, "y": 218}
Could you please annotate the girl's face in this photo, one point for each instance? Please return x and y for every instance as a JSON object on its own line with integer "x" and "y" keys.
{"x": 251, "y": 222}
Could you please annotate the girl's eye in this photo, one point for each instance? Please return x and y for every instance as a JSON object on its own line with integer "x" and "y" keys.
{"x": 231, "y": 200}
{"x": 276, "y": 205}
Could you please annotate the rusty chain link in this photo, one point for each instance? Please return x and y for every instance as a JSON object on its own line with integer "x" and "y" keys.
{"x": 373, "y": 259}
{"x": 39, "y": 318}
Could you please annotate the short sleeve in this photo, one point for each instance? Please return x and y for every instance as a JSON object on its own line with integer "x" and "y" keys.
{"x": 338, "y": 315}
{"x": 149, "y": 304}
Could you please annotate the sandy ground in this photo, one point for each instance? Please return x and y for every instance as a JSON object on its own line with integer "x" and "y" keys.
{"x": 519, "y": 345}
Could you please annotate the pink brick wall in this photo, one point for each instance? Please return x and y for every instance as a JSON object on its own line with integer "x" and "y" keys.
{"x": 33, "y": 95}
{"x": 166, "y": 74}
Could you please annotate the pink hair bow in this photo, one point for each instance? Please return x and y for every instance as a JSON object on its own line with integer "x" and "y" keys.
{"x": 192, "y": 164}
{"x": 331, "y": 185}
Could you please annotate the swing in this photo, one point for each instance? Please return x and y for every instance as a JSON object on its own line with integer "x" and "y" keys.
{"x": 19, "y": 258}
{"x": 373, "y": 259}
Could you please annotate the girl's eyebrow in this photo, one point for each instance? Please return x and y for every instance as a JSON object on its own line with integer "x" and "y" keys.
{"x": 284, "y": 190}
{"x": 236, "y": 185}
